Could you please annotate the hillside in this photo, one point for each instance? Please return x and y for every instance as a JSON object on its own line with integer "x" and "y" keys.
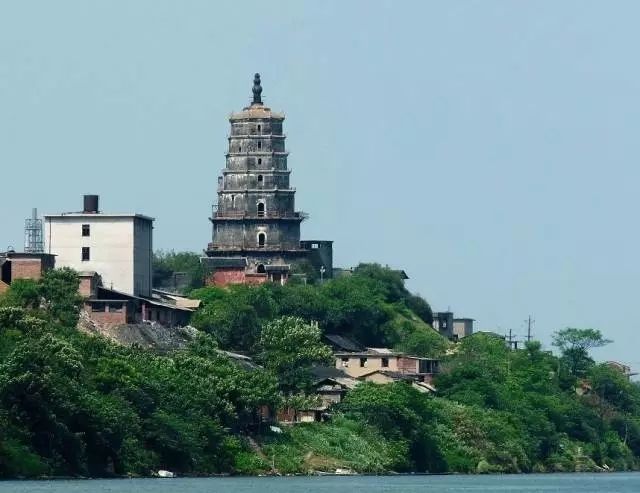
{"x": 75, "y": 403}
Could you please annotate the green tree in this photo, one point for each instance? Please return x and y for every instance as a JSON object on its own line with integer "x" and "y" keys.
{"x": 233, "y": 322}
{"x": 289, "y": 347}
{"x": 575, "y": 344}
{"x": 23, "y": 293}
{"x": 177, "y": 271}
{"x": 614, "y": 388}
{"x": 355, "y": 307}
{"x": 234, "y": 315}
{"x": 59, "y": 288}
{"x": 390, "y": 284}
{"x": 402, "y": 415}
{"x": 426, "y": 343}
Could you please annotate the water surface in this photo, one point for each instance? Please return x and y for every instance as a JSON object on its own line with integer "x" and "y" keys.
{"x": 533, "y": 483}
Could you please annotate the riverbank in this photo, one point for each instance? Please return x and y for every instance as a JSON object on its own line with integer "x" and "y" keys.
{"x": 535, "y": 483}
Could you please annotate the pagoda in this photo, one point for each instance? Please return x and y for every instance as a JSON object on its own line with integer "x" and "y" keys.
{"x": 256, "y": 228}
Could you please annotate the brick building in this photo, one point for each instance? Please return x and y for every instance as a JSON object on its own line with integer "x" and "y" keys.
{"x": 15, "y": 265}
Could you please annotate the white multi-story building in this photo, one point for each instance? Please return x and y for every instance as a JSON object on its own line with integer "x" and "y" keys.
{"x": 116, "y": 246}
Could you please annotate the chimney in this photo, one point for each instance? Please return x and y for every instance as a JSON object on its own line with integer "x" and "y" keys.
{"x": 91, "y": 204}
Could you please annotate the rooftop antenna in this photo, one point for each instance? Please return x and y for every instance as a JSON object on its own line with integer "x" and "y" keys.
{"x": 33, "y": 236}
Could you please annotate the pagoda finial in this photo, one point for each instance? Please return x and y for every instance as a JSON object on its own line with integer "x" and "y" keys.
{"x": 257, "y": 90}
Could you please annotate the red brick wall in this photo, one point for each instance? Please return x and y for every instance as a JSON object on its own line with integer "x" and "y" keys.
{"x": 107, "y": 317}
{"x": 226, "y": 275}
{"x": 234, "y": 275}
{"x": 256, "y": 278}
{"x": 407, "y": 365}
{"x": 26, "y": 269}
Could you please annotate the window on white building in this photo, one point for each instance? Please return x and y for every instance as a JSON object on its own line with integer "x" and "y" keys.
{"x": 86, "y": 254}
{"x": 86, "y": 230}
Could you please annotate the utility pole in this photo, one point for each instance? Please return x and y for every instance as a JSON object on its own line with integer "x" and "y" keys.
{"x": 530, "y": 323}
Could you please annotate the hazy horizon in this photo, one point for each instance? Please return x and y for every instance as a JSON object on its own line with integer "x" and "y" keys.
{"x": 487, "y": 148}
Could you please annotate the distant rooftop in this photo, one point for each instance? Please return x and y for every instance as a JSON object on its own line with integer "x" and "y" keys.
{"x": 94, "y": 215}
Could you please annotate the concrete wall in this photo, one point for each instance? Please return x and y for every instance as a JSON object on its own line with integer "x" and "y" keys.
{"x": 373, "y": 362}
{"x": 462, "y": 327}
{"x": 320, "y": 254}
{"x": 443, "y": 323}
{"x": 119, "y": 252}
{"x": 378, "y": 378}
{"x": 142, "y": 256}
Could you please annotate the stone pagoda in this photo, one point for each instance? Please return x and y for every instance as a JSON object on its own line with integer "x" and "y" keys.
{"x": 256, "y": 229}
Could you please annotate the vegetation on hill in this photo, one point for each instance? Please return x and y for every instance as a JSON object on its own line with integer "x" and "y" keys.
{"x": 76, "y": 404}
{"x": 177, "y": 271}
{"x": 372, "y": 306}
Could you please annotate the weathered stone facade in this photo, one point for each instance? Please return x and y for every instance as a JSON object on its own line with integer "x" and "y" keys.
{"x": 256, "y": 228}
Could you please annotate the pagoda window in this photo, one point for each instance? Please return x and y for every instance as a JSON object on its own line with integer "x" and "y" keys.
{"x": 262, "y": 239}
{"x": 260, "y": 209}
{"x": 259, "y": 144}
{"x": 260, "y": 180}
{"x": 259, "y": 160}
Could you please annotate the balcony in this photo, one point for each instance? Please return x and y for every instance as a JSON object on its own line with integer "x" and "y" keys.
{"x": 252, "y": 246}
{"x": 267, "y": 215}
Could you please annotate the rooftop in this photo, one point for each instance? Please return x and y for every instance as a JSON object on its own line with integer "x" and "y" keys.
{"x": 94, "y": 215}
{"x": 256, "y": 111}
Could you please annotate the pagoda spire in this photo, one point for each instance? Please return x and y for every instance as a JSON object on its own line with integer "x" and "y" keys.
{"x": 257, "y": 90}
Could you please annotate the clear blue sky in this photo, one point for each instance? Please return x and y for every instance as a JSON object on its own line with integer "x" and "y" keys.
{"x": 488, "y": 148}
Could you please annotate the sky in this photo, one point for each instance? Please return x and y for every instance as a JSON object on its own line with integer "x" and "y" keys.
{"x": 488, "y": 148}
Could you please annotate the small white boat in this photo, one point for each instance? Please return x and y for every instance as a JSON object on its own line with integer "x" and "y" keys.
{"x": 165, "y": 474}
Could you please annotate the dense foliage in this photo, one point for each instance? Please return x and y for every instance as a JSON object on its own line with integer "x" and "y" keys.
{"x": 372, "y": 305}
{"x": 515, "y": 411}
{"x": 75, "y": 404}
{"x": 177, "y": 272}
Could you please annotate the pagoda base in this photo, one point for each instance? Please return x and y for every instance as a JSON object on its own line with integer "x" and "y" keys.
{"x": 313, "y": 260}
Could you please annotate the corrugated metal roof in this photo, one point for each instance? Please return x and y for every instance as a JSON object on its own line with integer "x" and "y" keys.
{"x": 343, "y": 343}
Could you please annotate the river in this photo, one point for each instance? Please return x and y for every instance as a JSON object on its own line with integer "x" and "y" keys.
{"x": 532, "y": 483}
